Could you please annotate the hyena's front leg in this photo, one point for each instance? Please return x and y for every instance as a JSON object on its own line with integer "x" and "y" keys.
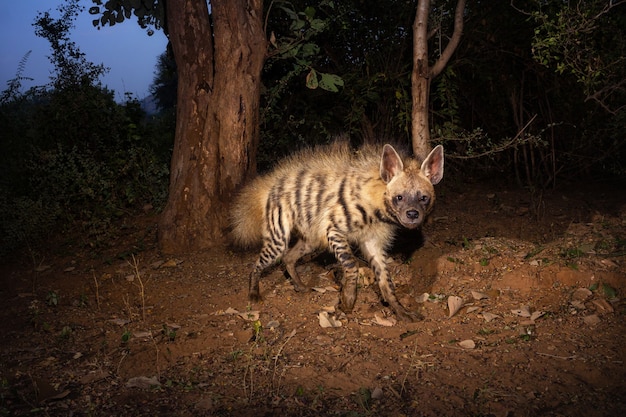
{"x": 341, "y": 248}
{"x": 300, "y": 249}
{"x": 376, "y": 257}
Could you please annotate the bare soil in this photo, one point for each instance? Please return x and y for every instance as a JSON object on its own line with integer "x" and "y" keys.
{"x": 106, "y": 325}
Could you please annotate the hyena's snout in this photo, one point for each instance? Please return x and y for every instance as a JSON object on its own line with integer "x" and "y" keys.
{"x": 413, "y": 214}
{"x": 411, "y": 218}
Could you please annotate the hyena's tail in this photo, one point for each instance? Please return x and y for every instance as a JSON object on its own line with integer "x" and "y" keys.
{"x": 248, "y": 214}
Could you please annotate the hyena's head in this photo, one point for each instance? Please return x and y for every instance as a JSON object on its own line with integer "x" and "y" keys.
{"x": 410, "y": 194}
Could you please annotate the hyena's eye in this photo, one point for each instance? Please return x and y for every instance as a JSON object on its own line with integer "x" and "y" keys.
{"x": 424, "y": 199}
{"x": 399, "y": 198}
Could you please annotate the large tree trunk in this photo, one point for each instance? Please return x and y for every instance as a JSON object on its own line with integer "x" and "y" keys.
{"x": 423, "y": 73}
{"x": 219, "y": 60}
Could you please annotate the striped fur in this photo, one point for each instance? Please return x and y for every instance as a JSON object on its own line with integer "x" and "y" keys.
{"x": 334, "y": 198}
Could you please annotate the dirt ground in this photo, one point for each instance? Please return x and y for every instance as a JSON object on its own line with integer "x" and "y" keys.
{"x": 100, "y": 325}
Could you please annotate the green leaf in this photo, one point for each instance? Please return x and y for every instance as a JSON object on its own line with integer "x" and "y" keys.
{"x": 310, "y": 49}
{"x": 330, "y": 82}
{"x": 298, "y": 24}
{"x": 609, "y": 292}
{"x": 318, "y": 24}
{"x": 292, "y": 15}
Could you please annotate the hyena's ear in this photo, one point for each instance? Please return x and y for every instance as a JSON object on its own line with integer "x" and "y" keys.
{"x": 390, "y": 164}
{"x": 432, "y": 166}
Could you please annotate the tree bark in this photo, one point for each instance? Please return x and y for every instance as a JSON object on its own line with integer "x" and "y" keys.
{"x": 219, "y": 59}
{"x": 423, "y": 73}
{"x": 420, "y": 81}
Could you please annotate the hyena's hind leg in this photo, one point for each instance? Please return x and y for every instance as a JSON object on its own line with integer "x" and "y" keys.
{"x": 293, "y": 254}
{"x": 270, "y": 252}
{"x": 377, "y": 259}
{"x": 341, "y": 249}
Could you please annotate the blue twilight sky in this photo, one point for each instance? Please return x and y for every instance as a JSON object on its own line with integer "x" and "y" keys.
{"x": 125, "y": 48}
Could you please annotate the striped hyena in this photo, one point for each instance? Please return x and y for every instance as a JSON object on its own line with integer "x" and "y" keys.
{"x": 334, "y": 198}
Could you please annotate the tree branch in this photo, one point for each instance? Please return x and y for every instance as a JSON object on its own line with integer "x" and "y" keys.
{"x": 454, "y": 40}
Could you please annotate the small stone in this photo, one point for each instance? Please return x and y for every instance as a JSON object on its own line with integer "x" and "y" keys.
{"x": 591, "y": 320}
{"x": 377, "y": 393}
{"x": 467, "y": 344}
{"x": 581, "y": 294}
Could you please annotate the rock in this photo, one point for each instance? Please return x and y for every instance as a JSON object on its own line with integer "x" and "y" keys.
{"x": 591, "y": 320}
{"x": 581, "y": 295}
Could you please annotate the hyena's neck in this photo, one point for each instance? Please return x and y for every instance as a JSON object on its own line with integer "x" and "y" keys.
{"x": 384, "y": 217}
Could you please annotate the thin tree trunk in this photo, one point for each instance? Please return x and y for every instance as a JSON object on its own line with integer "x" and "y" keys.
{"x": 420, "y": 81}
{"x": 423, "y": 73}
{"x": 219, "y": 61}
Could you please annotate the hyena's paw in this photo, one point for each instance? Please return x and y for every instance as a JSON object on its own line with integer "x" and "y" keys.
{"x": 254, "y": 296}
{"x": 409, "y": 316}
{"x": 347, "y": 300}
{"x": 300, "y": 287}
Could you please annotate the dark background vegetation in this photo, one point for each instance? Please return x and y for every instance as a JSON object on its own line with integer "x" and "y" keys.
{"x": 529, "y": 96}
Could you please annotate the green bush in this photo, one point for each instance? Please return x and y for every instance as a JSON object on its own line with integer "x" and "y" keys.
{"x": 77, "y": 157}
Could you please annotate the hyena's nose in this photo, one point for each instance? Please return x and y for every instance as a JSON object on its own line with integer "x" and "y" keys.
{"x": 413, "y": 214}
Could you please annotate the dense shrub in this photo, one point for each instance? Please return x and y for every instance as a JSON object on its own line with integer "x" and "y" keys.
{"x": 76, "y": 157}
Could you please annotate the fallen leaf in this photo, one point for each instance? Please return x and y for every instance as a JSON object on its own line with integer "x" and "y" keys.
{"x": 537, "y": 314}
{"x": 120, "y": 322}
{"x": 143, "y": 382}
{"x": 603, "y": 306}
{"x": 454, "y": 305}
{"x": 490, "y": 316}
{"x": 171, "y": 263}
{"x": 523, "y": 311}
{"x": 47, "y": 392}
{"x": 93, "y": 377}
{"x": 157, "y": 264}
{"x": 273, "y": 324}
{"x": 249, "y": 315}
{"x": 422, "y": 298}
{"x": 384, "y": 321}
{"x": 608, "y": 262}
{"x": 42, "y": 268}
{"x": 246, "y": 315}
{"x": 230, "y": 310}
{"x": 328, "y": 321}
{"x": 479, "y": 295}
